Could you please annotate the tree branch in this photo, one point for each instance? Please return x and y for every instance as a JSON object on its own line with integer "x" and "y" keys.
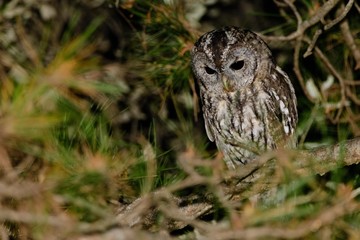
{"x": 350, "y": 42}
{"x": 187, "y": 209}
{"x": 320, "y": 14}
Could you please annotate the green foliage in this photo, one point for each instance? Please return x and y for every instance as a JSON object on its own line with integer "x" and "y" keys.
{"x": 85, "y": 194}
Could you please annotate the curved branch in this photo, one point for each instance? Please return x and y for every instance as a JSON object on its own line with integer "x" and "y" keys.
{"x": 341, "y": 16}
{"x": 320, "y": 14}
{"x": 350, "y": 42}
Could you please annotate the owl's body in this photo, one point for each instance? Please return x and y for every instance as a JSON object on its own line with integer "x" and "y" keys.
{"x": 249, "y": 103}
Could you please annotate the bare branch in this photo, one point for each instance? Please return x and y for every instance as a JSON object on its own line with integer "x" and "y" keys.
{"x": 27, "y": 217}
{"x": 296, "y": 13}
{"x": 19, "y": 190}
{"x": 312, "y": 43}
{"x": 298, "y": 71}
{"x": 337, "y": 75}
{"x": 332, "y": 23}
{"x": 329, "y": 157}
{"x": 320, "y": 14}
{"x": 341, "y": 16}
{"x": 357, "y": 7}
{"x": 350, "y": 42}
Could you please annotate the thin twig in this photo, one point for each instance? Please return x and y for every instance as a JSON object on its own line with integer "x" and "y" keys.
{"x": 352, "y": 96}
{"x": 33, "y": 218}
{"x": 296, "y": 13}
{"x": 351, "y": 119}
{"x": 19, "y": 190}
{"x": 320, "y": 14}
{"x": 337, "y": 75}
{"x": 298, "y": 71}
{"x": 341, "y": 16}
{"x": 327, "y": 27}
{"x": 350, "y": 42}
{"x": 27, "y": 44}
{"x": 312, "y": 43}
{"x": 352, "y": 82}
{"x": 357, "y": 7}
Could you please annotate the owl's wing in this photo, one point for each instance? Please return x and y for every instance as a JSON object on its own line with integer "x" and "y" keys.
{"x": 276, "y": 129}
{"x": 280, "y": 124}
{"x": 283, "y": 117}
{"x": 209, "y": 132}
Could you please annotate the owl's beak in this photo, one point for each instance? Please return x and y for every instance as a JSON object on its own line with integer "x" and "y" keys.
{"x": 227, "y": 86}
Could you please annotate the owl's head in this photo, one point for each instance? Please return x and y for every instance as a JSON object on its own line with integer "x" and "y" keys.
{"x": 229, "y": 59}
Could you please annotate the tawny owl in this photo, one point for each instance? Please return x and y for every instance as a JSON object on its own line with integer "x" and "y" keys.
{"x": 249, "y": 103}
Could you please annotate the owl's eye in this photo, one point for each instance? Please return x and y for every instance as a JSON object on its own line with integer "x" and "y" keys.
{"x": 209, "y": 70}
{"x": 237, "y": 65}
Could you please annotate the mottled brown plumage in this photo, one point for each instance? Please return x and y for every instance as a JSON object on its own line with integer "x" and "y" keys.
{"x": 249, "y": 103}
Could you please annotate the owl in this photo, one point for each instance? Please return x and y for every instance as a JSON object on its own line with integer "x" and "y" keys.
{"x": 248, "y": 102}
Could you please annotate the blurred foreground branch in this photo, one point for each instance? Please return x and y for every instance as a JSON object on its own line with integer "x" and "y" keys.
{"x": 143, "y": 211}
